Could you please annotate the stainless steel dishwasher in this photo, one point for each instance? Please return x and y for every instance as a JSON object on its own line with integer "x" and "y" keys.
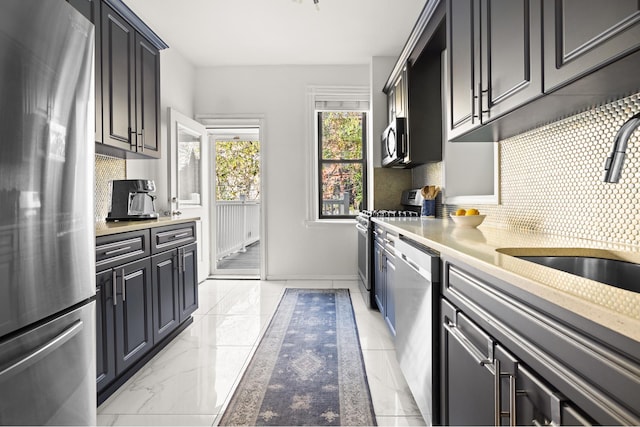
{"x": 417, "y": 323}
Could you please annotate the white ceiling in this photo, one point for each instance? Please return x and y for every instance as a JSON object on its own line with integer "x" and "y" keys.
{"x": 275, "y": 32}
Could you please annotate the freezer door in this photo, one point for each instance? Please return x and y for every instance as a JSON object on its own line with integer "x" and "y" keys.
{"x": 47, "y": 374}
{"x": 46, "y": 160}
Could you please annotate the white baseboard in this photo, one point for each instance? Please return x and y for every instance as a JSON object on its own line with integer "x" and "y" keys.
{"x": 282, "y": 277}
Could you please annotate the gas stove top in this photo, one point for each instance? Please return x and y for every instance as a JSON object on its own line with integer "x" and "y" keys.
{"x": 389, "y": 213}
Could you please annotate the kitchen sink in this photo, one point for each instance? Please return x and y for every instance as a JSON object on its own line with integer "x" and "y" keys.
{"x": 615, "y": 272}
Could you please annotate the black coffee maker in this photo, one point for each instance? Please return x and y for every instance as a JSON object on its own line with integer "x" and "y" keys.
{"x": 130, "y": 200}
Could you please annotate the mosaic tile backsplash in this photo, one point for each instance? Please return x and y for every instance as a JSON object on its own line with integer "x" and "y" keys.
{"x": 551, "y": 182}
{"x": 107, "y": 169}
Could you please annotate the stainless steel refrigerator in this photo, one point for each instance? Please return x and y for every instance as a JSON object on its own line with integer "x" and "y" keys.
{"x": 47, "y": 267}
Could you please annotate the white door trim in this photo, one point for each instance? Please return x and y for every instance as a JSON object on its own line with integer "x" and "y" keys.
{"x": 212, "y": 121}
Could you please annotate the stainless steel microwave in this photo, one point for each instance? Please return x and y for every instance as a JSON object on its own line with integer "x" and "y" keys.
{"x": 394, "y": 143}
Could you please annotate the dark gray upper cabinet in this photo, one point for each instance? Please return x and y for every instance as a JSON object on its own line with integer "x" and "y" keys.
{"x": 515, "y": 65}
{"x": 581, "y": 36}
{"x": 416, "y": 95}
{"x": 131, "y": 90}
{"x": 127, "y": 78}
{"x": 414, "y": 89}
{"x": 118, "y": 82}
{"x": 463, "y": 67}
{"x": 147, "y": 97}
{"x": 424, "y": 108}
{"x": 494, "y": 65}
{"x": 511, "y": 72}
{"x": 91, "y": 10}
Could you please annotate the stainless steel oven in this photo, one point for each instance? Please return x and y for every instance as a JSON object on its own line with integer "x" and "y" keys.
{"x": 363, "y": 223}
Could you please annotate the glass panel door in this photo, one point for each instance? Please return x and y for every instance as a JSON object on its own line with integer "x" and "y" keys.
{"x": 188, "y": 160}
{"x": 237, "y": 200}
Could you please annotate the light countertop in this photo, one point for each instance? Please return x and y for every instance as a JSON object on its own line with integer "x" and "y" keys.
{"x": 613, "y": 308}
{"x": 104, "y": 228}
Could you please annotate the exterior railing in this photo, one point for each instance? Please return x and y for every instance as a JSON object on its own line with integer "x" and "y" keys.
{"x": 237, "y": 226}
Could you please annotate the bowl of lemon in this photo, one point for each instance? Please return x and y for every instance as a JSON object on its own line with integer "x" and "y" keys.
{"x": 467, "y": 218}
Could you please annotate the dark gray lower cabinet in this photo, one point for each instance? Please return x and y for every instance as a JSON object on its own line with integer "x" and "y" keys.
{"x": 133, "y": 313}
{"x": 165, "y": 294}
{"x": 146, "y": 291}
{"x": 123, "y": 319}
{"x": 188, "y": 280}
{"x": 484, "y": 384}
{"x": 384, "y": 276}
{"x": 510, "y": 357}
{"x": 175, "y": 288}
{"x": 105, "y": 340}
{"x": 467, "y": 378}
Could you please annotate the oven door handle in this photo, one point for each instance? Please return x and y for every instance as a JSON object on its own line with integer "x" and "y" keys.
{"x": 361, "y": 228}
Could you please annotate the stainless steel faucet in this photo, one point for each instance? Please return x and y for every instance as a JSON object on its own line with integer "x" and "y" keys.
{"x": 615, "y": 160}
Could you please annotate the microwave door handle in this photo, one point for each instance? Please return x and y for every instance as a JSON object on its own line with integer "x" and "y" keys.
{"x": 387, "y": 133}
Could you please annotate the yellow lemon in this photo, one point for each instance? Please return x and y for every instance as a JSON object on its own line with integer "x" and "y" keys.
{"x": 472, "y": 212}
{"x": 461, "y": 212}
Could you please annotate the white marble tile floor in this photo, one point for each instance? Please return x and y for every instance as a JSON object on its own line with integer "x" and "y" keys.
{"x": 190, "y": 381}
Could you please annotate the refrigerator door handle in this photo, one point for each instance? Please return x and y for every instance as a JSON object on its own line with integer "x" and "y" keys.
{"x": 42, "y": 351}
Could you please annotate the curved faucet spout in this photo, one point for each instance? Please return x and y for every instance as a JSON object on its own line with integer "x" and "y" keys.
{"x": 615, "y": 160}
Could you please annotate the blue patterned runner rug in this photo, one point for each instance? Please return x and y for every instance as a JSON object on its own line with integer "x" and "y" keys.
{"x": 308, "y": 367}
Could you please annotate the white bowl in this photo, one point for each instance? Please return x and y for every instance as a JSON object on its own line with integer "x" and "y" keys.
{"x": 468, "y": 221}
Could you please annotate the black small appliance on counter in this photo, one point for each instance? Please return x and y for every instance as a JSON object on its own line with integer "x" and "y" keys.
{"x": 130, "y": 200}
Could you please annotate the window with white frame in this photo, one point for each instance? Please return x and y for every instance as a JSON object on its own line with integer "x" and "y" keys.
{"x": 340, "y": 159}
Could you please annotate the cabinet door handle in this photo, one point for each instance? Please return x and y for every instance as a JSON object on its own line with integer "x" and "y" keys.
{"x": 467, "y": 345}
{"x": 474, "y": 103}
{"x": 141, "y": 135}
{"x": 479, "y": 101}
{"x": 184, "y": 260}
{"x": 133, "y": 136}
{"x": 497, "y": 394}
{"x": 499, "y": 414}
{"x": 124, "y": 287}
{"x": 512, "y": 400}
{"x": 114, "y": 278}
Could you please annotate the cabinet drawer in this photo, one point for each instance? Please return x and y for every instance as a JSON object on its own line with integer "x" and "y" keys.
{"x": 121, "y": 248}
{"x": 172, "y": 236}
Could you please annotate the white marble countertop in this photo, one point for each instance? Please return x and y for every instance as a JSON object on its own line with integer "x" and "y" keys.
{"x": 613, "y": 308}
{"x": 105, "y": 228}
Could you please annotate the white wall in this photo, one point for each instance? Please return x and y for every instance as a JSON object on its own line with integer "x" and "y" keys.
{"x": 295, "y": 249}
{"x": 177, "y": 88}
